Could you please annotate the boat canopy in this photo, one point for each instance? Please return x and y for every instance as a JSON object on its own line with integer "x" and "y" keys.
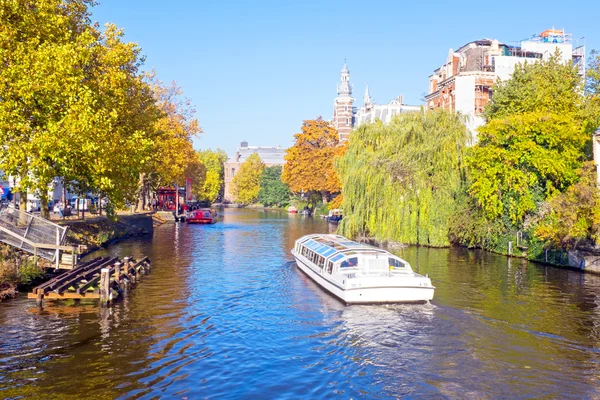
{"x": 335, "y": 247}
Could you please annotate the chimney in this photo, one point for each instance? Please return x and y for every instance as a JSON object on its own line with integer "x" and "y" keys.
{"x": 244, "y": 144}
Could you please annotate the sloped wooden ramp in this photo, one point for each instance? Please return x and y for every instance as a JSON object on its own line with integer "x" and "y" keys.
{"x": 100, "y": 278}
{"x": 38, "y": 236}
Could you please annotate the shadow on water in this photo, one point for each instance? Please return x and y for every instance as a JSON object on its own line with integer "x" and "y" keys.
{"x": 225, "y": 313}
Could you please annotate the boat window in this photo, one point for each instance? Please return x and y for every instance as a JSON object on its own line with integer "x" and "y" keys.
{"x": 395, "y": 263}
{"x": 321, "y": 262}
{"x": 329, "y": 267}
{"x": 351, "y": 262}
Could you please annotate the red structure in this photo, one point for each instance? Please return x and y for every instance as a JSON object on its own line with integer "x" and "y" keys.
{"x": 167, "y": 198}
{"x": 202, "y": 216}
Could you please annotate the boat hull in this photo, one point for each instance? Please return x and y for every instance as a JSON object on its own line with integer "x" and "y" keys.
{"x": 370, "y": 294}
{"x": 201, "y": 221}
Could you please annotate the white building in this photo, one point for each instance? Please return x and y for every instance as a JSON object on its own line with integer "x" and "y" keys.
{"x": 346, "y": 116}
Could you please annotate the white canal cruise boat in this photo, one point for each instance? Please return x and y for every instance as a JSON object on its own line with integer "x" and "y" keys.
{"x": 359, "y": 273}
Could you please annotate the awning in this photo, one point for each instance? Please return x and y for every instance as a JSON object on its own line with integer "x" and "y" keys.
{"x": 4, "y": 192}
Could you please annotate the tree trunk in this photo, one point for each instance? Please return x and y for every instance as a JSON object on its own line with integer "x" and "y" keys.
{"x": 23, "y": 206}
{"x": 44, "y": 205}
{"x": 325, "y": 197}
{"x": 141, "y": 187}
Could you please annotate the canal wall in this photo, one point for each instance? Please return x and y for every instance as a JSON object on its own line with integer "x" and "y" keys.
{"x": 99, "y": 232}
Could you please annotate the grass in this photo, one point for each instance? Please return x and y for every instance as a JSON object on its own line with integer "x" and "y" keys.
{"x": 16, "y": 270}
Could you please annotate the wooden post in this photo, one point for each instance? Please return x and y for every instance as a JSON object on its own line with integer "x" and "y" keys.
{"x": 104, "y": 286}
{"x": 118, "y": 271}
{"x": 57, "y": 250}
{"x": 126, "y": 265}
{"x": 35, "y": 256}
{"x": 509, "y": 248}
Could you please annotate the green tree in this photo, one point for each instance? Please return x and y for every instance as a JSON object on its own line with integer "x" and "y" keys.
{"x": 593, "y": 73}
{"x": 533, "y": 141}
{"x": 272, "y": 190}
{"x": 246, "y": 183}
{"x": 212, "y": 186}
{"x": 573, "y": 216}
{"x": 401, "y": 181}
{"x": 73, "y": 103}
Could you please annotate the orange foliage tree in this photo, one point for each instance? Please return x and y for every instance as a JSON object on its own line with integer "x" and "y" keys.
{"x": 310, "y": 160}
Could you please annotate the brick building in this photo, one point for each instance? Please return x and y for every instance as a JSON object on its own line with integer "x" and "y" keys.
{"x": 464, "y": 82}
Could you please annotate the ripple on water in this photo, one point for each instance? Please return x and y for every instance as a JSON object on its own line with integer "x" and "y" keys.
{"x": 226, "y": 314}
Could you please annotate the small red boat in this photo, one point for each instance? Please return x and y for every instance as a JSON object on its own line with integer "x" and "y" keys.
{"x": 202, "y": 216}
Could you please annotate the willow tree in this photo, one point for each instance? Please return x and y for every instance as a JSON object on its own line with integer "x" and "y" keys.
{"x": 400, "y": 181}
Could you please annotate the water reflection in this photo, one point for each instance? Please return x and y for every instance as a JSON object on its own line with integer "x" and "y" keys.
{"x": 225, "y": 313}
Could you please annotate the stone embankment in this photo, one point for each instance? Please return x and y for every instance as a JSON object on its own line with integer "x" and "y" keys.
{"x": 98, "y": 232}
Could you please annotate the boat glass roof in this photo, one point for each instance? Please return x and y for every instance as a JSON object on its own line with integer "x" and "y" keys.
{"x": 335, "y": 247}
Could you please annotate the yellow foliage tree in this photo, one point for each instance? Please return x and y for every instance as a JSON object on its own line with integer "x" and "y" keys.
{"x": 310, "y": 161}
{"x": 211, "y": 187}
{"x": 173, "y": 158}
{"x": 246, "y": 183}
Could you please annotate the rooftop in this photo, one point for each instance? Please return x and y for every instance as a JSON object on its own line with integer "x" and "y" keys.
{"x": 335, "y": 247}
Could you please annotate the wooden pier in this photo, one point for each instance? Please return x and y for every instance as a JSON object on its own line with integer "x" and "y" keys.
{"x": 101, "y": 278}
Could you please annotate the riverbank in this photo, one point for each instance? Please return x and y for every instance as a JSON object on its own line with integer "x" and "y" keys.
{"x": 100, "y": 231}
{"x": 17, "y": 269}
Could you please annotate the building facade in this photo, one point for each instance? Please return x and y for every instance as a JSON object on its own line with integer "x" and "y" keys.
{"x": 343, "y": 115}
{"x": 464, "y": 82}
{"x": 271, "y": 156}
{"x": 346, "y": 116}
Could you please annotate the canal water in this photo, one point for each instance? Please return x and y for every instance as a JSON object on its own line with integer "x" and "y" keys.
{"x": 226, "y": 314}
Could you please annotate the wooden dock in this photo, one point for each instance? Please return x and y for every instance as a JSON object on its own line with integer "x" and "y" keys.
{"x": 101, "y": 278}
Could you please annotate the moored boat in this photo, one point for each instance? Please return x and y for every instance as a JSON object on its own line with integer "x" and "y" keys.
{"x": 202, "y": 216}
{"x": 335, "y": 215}
{"x": 357, "y": 273}
{"x": 292, "y": 210}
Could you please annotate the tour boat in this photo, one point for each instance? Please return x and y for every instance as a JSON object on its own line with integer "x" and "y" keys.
{"x": 357, "y": 273}
{"x": 292, "y": 210}
{"x": 202, "y": 216}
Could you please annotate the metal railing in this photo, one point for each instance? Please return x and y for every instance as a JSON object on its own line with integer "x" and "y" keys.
{"x": 26, "y": 231}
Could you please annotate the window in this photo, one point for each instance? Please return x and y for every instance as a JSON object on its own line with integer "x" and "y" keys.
{"x": 351, "y": 262}
{"x": 393, "y": 263}
{"x": 321, "y": 262}
{"x": 232, "y": 172}
{"x": 347, "y": 122}
{"x": 345, "y": 108}
{"x": 329, "y": 267}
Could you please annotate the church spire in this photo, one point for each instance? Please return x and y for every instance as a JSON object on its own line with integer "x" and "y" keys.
{"x": 367, "y": 97}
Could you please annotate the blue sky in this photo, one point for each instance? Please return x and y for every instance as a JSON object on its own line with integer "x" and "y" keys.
{"x": 256, "y": 69}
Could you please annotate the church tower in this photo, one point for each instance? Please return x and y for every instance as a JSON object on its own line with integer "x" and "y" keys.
{"x": 342, "y": 106}
{"x": 367, "y": 100}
